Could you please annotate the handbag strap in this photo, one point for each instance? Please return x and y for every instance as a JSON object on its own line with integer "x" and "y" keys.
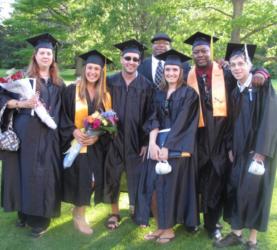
{"x": 10, "y": 124}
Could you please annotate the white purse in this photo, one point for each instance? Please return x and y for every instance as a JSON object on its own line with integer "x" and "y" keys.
{"x": 256, "y": 168}
{"x": 163, "y": 167}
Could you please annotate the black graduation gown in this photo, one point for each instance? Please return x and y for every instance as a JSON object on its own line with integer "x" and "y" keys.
{"x": 38, "y": 164}
{"x": 176, "y": 191}
{"x": 132, "y": 106}
{"x": 77, "y": 180}
{"x": 213, "y": 146}
{"x": 254, "y": 130}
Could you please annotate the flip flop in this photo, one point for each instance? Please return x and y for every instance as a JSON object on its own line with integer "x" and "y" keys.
{"x": 113, "y": 224}
{"x": 151, "y": 236}
{"x": 164, "y": 239}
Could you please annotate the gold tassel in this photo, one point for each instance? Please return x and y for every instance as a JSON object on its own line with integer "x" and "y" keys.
{"x": 107, "y": 99}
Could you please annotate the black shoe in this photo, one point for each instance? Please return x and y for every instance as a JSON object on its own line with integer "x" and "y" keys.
{"x": 37, "y": 232}
{"x": 215, "y": 235}
{"x": 20, "y": 223}
{"x": 192, "y": 230}
{"x": 230, "y": 239}
{"x": 251, "y": 246}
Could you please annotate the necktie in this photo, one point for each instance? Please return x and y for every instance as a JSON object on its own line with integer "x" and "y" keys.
{"x": 159, "y": 73}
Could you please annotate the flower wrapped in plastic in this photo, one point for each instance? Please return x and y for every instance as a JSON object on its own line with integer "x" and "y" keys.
{"x": 96, "y": 124}
{"x": 16, "y": 83}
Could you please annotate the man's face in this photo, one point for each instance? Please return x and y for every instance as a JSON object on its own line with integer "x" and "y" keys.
{"x": 130, "y": 62}
{"x": 160, "y": 46}
{"x": 201, "y": 55}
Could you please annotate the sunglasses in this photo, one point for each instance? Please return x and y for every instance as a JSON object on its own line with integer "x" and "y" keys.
{"x": 128, "y": 59}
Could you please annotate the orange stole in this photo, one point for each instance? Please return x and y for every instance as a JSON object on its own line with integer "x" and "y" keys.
{"x": 81, "y": 112}
{"x": 218, "y": 92}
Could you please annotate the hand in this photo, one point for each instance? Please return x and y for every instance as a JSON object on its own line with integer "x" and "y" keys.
{"x": 258, "y": 157}
{"x": 163, "y": 155}
{"x": 231, "y": 156}
{"x": 143, "y": 152}
{"x": 258, "y": 80}
{"x": 222, "y": 63}
{"x": 79, "y": 136}
{"x": 29, "y": 104}
{"x": 154, "y": 151}
{"x": 90, "y": 140}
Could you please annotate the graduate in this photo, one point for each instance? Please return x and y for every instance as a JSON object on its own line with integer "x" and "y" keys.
{"x": 214, "y": 84}
{"x": 131, "y": 96}
{"x": 86, "y": 174}
{"x": 172, "y": 196}
{"x": 253, "y": 144}
{"x": 32, "y": 177}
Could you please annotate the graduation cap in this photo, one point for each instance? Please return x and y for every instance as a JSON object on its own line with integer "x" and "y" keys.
{"x": 44, "y": 40}
{"x": 161, "y": 36}
{"x": 131, "y": 46}
{"x": 248, "y": 50}
{"x": 96, "y": 57}
{"x": 200, "y": 38}
{"x": 173, "y": 57}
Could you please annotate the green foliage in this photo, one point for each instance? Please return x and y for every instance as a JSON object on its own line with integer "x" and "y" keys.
{"x": 86, "y": 24}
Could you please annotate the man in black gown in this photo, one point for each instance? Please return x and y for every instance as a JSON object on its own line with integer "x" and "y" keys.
{"x": 131, "y": 95}
{"x": 214, "y": 86}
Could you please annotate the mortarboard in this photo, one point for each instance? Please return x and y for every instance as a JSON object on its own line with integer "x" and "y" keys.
{"x": 200, "y": 38}
{"x": 96, "y": 57}
{"x": 238, "y": 49}
{"x": 161, "y": 36}
{"x": 173, "y": 57}
{"x": 131, "y": 46}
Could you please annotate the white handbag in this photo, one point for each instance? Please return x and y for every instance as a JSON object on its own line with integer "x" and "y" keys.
{"x": 163, "y": 167}
{"x": 256, "y": 168}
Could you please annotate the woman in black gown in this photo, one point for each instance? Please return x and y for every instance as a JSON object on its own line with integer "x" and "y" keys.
{"x": 31, "y": 176}
{"x": 254, "y": 139}
{"x": 86, "y": 173}
{"x": 173, "y": 196}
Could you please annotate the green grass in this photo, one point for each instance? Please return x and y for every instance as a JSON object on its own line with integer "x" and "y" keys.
{"x": 62, "y": 235}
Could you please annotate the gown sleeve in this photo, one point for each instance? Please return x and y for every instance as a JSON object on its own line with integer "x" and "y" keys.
{"x": 67, "y": 125}
{"x": 182, "y": 135}
{"x": 267, "y": 131}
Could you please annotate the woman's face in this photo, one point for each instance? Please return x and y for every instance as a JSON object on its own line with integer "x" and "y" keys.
{"x": 240, "y": 68}
{"x": 92, "y": 72}
{"x": 172, "y": 73}
{"x": 44, "y": 57}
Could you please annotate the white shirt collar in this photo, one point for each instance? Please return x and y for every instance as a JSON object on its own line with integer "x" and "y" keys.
{"x": 155, "y": 62}
{"x": 246, "y": 84}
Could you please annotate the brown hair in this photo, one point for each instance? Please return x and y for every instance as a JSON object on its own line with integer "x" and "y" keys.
{"x": 33, "y": 71}
{"x": 180, "y": 81}
{"x": 99, "y": 88}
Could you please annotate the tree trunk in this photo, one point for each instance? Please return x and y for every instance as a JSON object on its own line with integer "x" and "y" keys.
{"x": 237, "y": 13}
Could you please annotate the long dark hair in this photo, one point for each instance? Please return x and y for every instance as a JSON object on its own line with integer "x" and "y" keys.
{"x": 33, "y": 71}
{"x": 164, "y": 84}
{"x": 83, "y": 82}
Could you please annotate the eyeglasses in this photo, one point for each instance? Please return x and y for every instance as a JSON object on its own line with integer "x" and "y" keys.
{"x": 128, "y": 59}
{"x": 239, "y": 65}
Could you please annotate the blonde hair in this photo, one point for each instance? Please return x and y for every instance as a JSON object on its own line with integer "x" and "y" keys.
{"x": 83, "y": 82}
{"x": 164, "y": 84}
{"x": 33, "y": 71}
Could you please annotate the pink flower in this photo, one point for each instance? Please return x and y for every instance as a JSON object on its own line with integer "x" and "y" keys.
{"x": 96, "y": 124}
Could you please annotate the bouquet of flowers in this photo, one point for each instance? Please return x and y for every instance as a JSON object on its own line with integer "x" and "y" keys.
{"x": 96, "y": 124}
{"x": 16, "y": 83}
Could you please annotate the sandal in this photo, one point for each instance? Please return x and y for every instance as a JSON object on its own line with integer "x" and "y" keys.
{"x": 113, "y": 221}
{"x": 165, "y": 239}
{"x": 151, "y": 236}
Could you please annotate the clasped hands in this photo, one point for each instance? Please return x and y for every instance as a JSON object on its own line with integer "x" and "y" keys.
{"x": 157, "y": 153}
{"x": 83, "y": 138}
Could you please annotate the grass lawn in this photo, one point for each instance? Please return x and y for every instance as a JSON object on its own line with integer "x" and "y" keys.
{"x": 62, "y": 235}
